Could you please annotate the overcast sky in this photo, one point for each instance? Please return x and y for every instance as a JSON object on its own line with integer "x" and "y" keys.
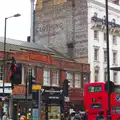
{"x": 17, "y": 28}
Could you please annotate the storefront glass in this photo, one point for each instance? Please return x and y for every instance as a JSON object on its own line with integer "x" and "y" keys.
{"x": 53, "y": 113}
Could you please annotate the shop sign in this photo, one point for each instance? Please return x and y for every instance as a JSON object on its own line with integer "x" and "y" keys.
{"x": 19, "y": 89}
{"x": 52, "y": 93}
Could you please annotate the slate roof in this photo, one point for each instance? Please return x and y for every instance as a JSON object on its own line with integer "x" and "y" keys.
{"x": 25, "y": 44}
{"x": 34, "y": 46}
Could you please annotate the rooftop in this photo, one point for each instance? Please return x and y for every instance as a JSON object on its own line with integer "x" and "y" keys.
{"x": 18, "y": 45}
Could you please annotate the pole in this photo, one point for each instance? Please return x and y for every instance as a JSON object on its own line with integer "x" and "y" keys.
{"x": 34, "y": 25}
{"x": 4, "y": 54}
{"x": 39, "y": 103}
{"x": 32, "y": 16}
{"x": 108, "y": 61}
{"x": 26, "y": 96}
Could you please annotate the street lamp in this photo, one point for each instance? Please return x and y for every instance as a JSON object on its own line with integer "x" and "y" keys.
{"x": 108, "y": 61}
{"x": 16, "y": 15}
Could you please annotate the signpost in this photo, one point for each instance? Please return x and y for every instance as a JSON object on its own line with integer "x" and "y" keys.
{"x": 36, "y": 102}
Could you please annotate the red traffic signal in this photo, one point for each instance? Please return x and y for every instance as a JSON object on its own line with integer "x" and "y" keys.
{"x": 13, "y": 68}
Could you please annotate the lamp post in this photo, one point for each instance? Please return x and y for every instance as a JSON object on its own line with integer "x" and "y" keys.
{"x": 16, "y": 15}
{"x": 108, "y": 61}
{"x": 32, "y": 21}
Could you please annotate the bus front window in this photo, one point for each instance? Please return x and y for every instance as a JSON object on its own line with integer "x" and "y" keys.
{"x": 117, "y": 89}
{"x": 95, "y": 88}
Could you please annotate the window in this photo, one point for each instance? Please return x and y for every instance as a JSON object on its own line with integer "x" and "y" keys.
{"x": 1, "y": 72}
{"x": 96, "y": 34}
{"x": 117, "y": 89}
{"x": 105, "y": 56}
{"x": 114, "y": 57}
{"x": 46, "y": 77}
{"x": 115, "y": 77}
{"x": 96, "y": 54}
{"x": 94, "y": 88}
{"x": 77, "y": 80}
{"x": 105, "y": 37}
{"x": 55, "y": 77}
{"x": 96, "y": 75}
{"x": 70, "y": 78}
{"x": 105, "y": 75}
{"x": 114, "y": 38}
{"x": 29, "y": 71}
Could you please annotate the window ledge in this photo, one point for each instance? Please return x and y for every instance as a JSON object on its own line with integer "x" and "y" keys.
{"x": 115, "y": 64}
{"x": 96, "y": 39}
{"x": 97, "y": 61}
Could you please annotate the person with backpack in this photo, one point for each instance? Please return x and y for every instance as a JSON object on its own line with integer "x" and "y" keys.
{"x": 100, "y": 116}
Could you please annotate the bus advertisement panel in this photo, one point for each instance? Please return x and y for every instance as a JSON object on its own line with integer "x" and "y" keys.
{"x": 96, "y": 99}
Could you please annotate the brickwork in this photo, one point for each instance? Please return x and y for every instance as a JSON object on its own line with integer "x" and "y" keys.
{"x": 40, "y": 61}
{"x": 60, "y": 24}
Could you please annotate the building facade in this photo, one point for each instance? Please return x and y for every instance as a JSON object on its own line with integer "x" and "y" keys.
{"x": 77, "y": 28}
{"x": 48, "y": 67}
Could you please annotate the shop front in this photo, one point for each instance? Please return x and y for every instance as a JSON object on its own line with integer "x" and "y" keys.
{"x": 19, "y": 103}
{"x": 4, "y": 98}
{"x": 76, "y": 99}
{"x": 52, "y": 103}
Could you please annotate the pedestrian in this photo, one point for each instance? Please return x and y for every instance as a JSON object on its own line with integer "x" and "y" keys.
{"x": 5, "y": 117}
{"x": 100, "y": 115}
{"x": 23, "y": 117}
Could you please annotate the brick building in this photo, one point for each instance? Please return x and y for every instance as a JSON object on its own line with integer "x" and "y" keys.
{"x": 48, "y": 66}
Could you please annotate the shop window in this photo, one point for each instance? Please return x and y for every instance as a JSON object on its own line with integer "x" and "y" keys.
{"x": 55, "y": 77}
{"x": 69, "y": 76}
{"x": 77, "y": 80}
{"x": 46, "y": 77}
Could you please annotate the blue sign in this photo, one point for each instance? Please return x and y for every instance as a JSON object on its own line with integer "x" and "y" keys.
{"x": 118, "y": 98}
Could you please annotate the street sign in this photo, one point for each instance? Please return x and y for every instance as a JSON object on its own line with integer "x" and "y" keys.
{"x": 118, "y": 98}
{"x": 36, "y": 87}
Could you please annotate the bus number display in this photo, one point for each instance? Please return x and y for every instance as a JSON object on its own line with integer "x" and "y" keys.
{"x": 96, "y": 106}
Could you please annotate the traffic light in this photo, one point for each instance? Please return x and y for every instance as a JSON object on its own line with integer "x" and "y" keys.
{"x": 31, "y": 81}
{"x": 16, "y": 72}
{"x": 111, "y": 87}
{"x": 66, "y": 87}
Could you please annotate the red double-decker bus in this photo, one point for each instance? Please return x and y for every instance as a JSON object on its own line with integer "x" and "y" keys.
{"x": 96, "y": 99}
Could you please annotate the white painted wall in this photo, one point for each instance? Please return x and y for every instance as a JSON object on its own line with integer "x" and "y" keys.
{"x": 114, "y": 12}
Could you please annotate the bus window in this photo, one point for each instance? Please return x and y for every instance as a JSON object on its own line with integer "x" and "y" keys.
{"x": 98, "y": 88}
{"x": 94, "y": 89}
{"x": 117, "y": 89}
{"x": 116, "y": 109}
{"x": 91, "y": 89}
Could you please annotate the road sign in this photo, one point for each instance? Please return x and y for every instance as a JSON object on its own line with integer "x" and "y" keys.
{"x": 36, "y": 87}
{"x": 118, "y": 98}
